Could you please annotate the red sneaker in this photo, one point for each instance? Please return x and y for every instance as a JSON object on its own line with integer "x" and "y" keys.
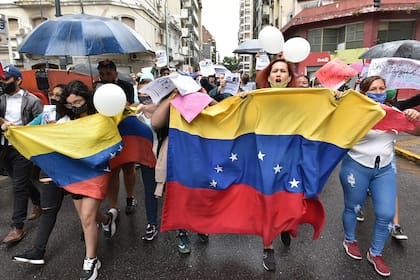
{"x": 352, "y": 249}
{"x": 379, "y": 264}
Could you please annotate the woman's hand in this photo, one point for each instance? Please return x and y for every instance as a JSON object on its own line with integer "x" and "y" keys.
{"x": 412, "y": 114}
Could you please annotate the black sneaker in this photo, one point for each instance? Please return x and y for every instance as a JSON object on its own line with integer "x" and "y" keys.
{"x": 151, "y": 232}
{"x": 131, "y": 205}
{"x": 285, "y": 238}
{"x": 397, "y": 233}
{"x": 269, "y": 262}
{"x": 204, "y": 238}
{"x": 360, "y": 216}
{"x": 111, "y": 227}
{"x": 183, "y": 242}
{"x": 33, "y": 256}
{"x": 90, "y": 269}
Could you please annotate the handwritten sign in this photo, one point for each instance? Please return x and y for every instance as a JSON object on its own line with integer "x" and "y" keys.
{"x": 334, "y": 74}
{"x": 397, "y": 72}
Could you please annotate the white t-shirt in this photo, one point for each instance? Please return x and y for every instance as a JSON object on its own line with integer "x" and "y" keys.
{"x": 375, "y": 143}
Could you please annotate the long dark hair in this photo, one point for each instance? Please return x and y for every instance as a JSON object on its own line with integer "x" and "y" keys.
{"x": 262, "y": 76}
{"x": 78, "y": 88}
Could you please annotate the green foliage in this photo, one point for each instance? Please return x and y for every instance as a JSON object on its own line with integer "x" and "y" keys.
{"x": 231, "y": 63}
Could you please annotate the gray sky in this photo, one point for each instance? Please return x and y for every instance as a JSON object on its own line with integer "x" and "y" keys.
{"x": 221, "y": 18}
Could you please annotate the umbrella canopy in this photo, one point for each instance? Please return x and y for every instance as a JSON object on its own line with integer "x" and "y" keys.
{"x": 82, "y": 35}
{"x": 249, "y": 47}
{"x": 402, "y": 48}
{"x": 85, "y": 68}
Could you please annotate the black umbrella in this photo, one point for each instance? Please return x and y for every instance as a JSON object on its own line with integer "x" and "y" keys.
{"x": 402, "y": 48}
{"x": 249, "y": 47}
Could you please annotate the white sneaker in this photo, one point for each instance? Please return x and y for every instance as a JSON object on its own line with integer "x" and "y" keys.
{"x": 397, "y": 233}
{"x": 111, "y": 227}
{"x": 90, "y": 269}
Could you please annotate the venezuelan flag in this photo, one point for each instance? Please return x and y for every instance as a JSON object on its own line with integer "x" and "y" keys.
{"x": 138, "y": 143}
{"x": 257, "y": 165}
{"x": 74, "y": 154}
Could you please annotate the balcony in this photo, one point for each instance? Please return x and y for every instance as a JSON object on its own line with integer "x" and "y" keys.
{"x": 185, "y": 51}
{"x": 34, "y": 3}
{"x": 186, "y": 3}
{"x": 185, "y": 32}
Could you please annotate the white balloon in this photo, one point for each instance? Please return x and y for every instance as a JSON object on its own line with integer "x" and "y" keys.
{"x": 296, "y": 49}
{"x": 271, "y": 39}
{"x": 109, "y": 100}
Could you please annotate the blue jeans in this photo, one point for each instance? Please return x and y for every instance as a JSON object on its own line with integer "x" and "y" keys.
{"x": 151, "y": 202}
{"x": 355, "y": 180}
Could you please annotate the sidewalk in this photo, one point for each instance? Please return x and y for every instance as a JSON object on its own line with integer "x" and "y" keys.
{"x": 408, "y": 146}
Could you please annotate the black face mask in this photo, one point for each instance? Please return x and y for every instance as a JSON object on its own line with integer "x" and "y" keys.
{"x": 8, "y": 88}
{"x": 79, "y": 110}
{"x": 54, "y": 102}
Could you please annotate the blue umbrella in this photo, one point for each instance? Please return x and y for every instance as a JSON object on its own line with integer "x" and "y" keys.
{"x": 82, "y": 35}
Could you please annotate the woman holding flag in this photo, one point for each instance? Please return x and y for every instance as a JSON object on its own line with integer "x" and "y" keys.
{"x": 277, "y": 74}
{"x": 369, "y": 165}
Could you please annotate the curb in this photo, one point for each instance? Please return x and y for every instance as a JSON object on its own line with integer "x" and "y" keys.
{"x": 408, "y": 155}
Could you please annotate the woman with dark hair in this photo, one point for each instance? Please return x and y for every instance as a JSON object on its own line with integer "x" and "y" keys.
{"x": 277, "y": 74}
{"x": 79, "y": 99}
{"x": 302, "y": 81}
{"x": 368, "y": 165}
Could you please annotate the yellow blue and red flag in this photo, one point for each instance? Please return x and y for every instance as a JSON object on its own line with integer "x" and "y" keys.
{"x": 257, "y": 165}
{"x": 138, "y": 143}
{"x": 74, "y": 154}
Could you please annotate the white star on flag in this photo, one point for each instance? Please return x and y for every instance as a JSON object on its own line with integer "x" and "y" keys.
{"x": 277, "y": 168}
{"x": 233, "y": 157}
{"x": 261, "y": 155}
{"x": 120, "y": 148}
{"x": 294, "y": 183}
{"x": 218, "y": 168}
{"x": 112, "y": 155}
{"x": 213, "y": 183}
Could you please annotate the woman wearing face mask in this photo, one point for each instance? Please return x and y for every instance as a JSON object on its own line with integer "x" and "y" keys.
{"x": 369, "y": 165}
{"x": 79, "y": 100}
{"x": 277, "y": 74}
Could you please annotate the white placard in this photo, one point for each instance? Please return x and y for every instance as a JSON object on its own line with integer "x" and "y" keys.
{"x": 162, "y": 59}
{"x": 207, "y": 68}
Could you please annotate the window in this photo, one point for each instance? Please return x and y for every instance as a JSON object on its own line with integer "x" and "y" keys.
{"x": 37, "y": 21}
{"x": 393, "y": 31}
{"x": 129, "y": 21}
{"x": 354, "y": 36}
{"x": 333, "y": 38}
{"x": 315, "y": 39}
{"x": 13, "y": 25}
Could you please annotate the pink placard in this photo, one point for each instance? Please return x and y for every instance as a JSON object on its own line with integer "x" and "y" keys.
{"x": 191, "y": 105}
{"x": 335, "y": 73}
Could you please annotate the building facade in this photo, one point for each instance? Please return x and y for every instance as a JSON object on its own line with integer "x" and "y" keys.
{"x": 160, "y": 22}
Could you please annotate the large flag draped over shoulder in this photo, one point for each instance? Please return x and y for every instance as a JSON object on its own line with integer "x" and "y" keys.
{"x": 74, "y": 154}
{"x": 138, "y": 143}
{"x": 256, "y": 165}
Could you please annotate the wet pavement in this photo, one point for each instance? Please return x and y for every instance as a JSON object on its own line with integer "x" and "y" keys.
{"x": 408, "y": 146}
{"x": 126, "y": 256}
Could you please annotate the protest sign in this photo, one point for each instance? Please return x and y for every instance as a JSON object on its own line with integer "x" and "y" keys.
{"x": 161, "y": 87}
{"x": 206, "y": 68}
{"x": 261, "y": 61}
{"x": 334, "y": 74}
{"x": 161, "y": 58}
{"x": 232, "y": 83}
{"x": 397, "y": 72}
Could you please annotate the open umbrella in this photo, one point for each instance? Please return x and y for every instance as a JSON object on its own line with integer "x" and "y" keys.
{"x": 402, "y": 48}
{"x": 82, "y": 35}
{"x": 249, "y": 47}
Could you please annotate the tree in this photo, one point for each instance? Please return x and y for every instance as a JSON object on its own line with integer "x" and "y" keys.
{"x": 231, "y": 63}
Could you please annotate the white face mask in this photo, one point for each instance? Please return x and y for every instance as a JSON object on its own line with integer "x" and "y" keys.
{"x": 278, "y": 85}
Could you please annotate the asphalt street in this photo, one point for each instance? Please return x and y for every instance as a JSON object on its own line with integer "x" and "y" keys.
{"x": 126, "y": 256}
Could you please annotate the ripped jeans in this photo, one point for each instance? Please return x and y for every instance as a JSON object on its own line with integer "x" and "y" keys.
{"x": 355, "y": 180}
